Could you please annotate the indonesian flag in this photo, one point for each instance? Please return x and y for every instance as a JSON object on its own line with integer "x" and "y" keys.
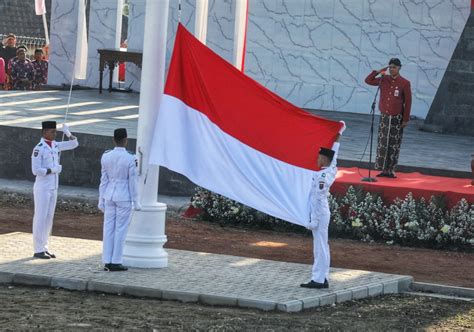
{"x": 229, "y": 134}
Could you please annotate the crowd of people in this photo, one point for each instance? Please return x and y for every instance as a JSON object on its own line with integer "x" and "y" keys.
{"x": 17, "y": 71}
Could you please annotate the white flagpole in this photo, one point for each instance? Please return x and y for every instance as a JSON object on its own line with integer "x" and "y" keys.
{"x": 240, "y": 27}
{"x": 146, "y": 234}
{"x": 200, "y": 25}
{"x": 46, "y": 33}
{"x": 80, "y": 69}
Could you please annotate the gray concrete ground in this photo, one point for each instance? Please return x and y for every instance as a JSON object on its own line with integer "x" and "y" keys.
{"x": 189, "y": 277}
{"x": 94, "y": 113}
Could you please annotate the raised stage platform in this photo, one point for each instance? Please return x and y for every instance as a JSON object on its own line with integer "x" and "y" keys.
{"x": 95, "y": 116}
{"x": 420, "y": 185}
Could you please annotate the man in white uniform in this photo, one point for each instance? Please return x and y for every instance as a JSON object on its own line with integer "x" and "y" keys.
{"x": 117, "y": 197}
{"x": 320, "y": 214}
{"x": 46, "y": 167}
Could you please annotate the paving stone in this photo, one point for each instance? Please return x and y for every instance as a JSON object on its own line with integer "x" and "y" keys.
{"x": 69, "y": 283}
{"x": 291, "y": 306}
{"x": 390, "y": 287}
{"x": 404, "y": 284}
{"x": 257, "y": 304}
{"x": 343, "y": 296}
{"x": 97, "y": 286}
{"x": 311, "y": 302}
{"x": 180, "y": 296}
{"x": 31, "y": 279}
{"x": 360, "y": 292}
{"x": 6, "y": 277}
{"x": 443, "y": 289}
{"x": 328, "y": 299}
{"x": 190, "y": 277}
{"x": 375, "y": 289}
{"x": 218, "y": 300}
{"x": 143, "y": 292}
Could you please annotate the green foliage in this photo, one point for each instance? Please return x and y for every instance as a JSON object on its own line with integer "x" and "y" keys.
{"x": 364, "y": 216}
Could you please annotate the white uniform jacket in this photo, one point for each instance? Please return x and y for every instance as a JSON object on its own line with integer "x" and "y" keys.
{"x": 45, "y": 157}
{"x": 322, "y": 181}
{"x": 118, "y": 182}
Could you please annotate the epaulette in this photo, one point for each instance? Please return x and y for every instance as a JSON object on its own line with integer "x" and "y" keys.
{"x": 40, "y": 144}
{"x": 133, "y": 154}
{"x": 107, "y": 151}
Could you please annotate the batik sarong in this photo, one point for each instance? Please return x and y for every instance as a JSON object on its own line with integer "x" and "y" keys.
{"x": 389, "y": 140}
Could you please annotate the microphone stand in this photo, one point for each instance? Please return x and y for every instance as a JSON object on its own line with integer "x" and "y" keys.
{"x": 369, "y": 178}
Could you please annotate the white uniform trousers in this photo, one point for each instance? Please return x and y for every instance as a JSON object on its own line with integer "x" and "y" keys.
{"x": 321, "y": 250}
{"x": 45, "y": 204}
{"x": 117, "y": 216}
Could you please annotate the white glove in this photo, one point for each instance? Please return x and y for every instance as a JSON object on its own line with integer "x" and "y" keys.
{"x": 137, "y": 206}
{"x": 66, "y": 130}
{"x": 312, "y": 225}
{"x": 101, "y": 206}
{"x": 56, "y": 169}
{"x": 343, "y": 127}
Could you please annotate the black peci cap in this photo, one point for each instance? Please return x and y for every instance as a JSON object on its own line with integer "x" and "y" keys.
{"x": 120, "y": 134}
{"x": 21, "y": 49}
{"x": 327, "y": 153}
{"x": 395, "y": 61}
{"x": 48, "y": 125}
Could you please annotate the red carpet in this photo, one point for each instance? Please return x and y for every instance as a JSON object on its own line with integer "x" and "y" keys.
{"x": 420, "y": 185}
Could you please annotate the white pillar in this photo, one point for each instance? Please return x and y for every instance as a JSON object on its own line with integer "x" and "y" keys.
{"x": 146, "y": 235}
{"x": 240, "y": 26}
{"x": 200, "y": 23}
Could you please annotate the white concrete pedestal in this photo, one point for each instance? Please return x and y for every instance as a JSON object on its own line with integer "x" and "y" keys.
{"x": 146, "y": 238}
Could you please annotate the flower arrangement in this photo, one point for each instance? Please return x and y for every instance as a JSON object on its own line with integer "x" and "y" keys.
{"x": 364, "y": 216}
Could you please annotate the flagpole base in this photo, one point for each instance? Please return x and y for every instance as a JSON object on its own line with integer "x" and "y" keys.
{"x": 146, "y": 238}
{"x": 368, "y": 179}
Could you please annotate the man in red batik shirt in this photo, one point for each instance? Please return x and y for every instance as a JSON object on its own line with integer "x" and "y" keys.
{"x": 395, "y": 107}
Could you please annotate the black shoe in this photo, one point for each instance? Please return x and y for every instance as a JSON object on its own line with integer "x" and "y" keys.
{"x": 392, "y": 175}
{"x": 117, "y": 267}
{"x": 382, "y": 175}
{"x": 314, "y": 284}
{"x": 50, "y": 254}
{"x": 41, "y": 255}
{"x": 107, "y": 267}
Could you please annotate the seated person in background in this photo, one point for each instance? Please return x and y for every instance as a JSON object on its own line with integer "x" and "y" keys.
{"x": 21, "y": 71}
{"x": 2, "y": 73}
{"x": 40, "y": 70}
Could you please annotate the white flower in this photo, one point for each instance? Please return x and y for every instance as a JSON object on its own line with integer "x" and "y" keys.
{"x": 445, "y": 229}
{"x": 356, "y": 223}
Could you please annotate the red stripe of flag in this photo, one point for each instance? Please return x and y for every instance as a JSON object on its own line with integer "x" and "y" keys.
{"x": 243, "y": 108}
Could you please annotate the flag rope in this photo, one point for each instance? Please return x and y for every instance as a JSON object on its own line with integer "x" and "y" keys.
{"x": 70, "y": 87}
